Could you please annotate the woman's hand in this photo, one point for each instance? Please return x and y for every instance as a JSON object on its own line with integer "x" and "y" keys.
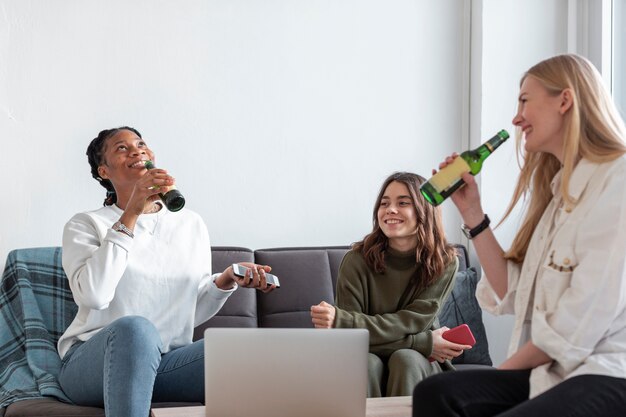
{"x": 443, "y": 349}
{"x": 254, "y": 278}
{"x": 323, "y": 315}
{"x": 147, "y": 188}
{"x": 466, "y": 198}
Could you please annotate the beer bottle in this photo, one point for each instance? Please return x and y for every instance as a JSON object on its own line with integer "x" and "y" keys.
{"x": 172, "y": 198}
{"x": 448, "y": 180}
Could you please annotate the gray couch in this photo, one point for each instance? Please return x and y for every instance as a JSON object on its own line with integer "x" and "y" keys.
{"x": 308, "y": 275}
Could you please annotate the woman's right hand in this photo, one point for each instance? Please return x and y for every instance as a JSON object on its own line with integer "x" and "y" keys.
{"x": 466, "y": 198}
{"x": 443, "y": 349}
{"x": 147, "y": 188}
{"x": 323, "y": 315}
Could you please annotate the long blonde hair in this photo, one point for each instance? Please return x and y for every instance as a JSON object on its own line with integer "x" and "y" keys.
{"x": 594, "y": 130}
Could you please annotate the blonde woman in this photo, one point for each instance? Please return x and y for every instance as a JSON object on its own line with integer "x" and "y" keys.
{"x": 564, "y": 277}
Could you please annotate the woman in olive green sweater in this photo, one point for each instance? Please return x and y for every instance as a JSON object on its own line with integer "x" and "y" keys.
{"x": 393, "y": 283}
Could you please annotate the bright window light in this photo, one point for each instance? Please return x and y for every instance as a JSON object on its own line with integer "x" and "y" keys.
{"x": 619, "y": 55}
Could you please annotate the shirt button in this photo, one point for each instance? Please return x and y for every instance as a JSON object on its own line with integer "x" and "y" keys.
{"x": 568, "y": 209}
{"x": 566, "y": 261}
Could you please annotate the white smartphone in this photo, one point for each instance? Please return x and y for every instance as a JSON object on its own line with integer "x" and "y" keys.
{"x": 241, "y": 270}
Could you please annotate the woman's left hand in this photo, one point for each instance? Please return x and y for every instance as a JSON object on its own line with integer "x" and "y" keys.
{"x": 254, "y": 278}
{"x": 443, "y": 349}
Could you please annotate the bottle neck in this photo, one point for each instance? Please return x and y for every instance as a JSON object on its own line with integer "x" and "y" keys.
{"x": 495, "y": 142}
{"x": 491, "y": 145}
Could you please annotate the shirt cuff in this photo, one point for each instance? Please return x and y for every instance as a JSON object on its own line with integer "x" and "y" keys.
{"x": 119, "y": 239}
{"x": 489, "y": 300}
{"x": 214, "y": 277}
{"x": 423, "y": 343}
{"x": 343, "y": 320}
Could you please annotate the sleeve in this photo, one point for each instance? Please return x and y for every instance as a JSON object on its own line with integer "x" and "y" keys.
{"x": 93, "y": 268}
{"x": 407, "y": 328}
{"x": 489, "y": 300}
{"x": 210, "y": 298}
{"x": 594, "y": 297}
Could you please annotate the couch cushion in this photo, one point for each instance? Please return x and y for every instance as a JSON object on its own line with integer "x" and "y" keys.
{"x": 462, "y": 307}
{"x": 240, "y": 310}
{"x": 306, "y": 279}
{"x": 47, "y": 407}
{"x": 461, "y": 253}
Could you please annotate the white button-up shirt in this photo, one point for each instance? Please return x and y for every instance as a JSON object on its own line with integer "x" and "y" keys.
{"x": 569, "y": 294}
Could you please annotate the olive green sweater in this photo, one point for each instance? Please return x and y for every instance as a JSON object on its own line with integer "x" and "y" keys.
{"x": 369, "y": 300}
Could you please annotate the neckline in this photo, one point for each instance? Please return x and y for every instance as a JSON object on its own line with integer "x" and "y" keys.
{"x": 119, "y": 211}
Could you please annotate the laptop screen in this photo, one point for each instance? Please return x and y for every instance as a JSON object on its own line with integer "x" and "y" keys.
{"x": 269, "y": 372}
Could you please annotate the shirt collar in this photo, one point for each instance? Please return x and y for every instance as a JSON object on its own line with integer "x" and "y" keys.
{"x": 583, "y": 171}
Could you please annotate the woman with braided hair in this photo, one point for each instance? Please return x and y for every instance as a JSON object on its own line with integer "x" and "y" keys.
{"x": 141, "y": 276}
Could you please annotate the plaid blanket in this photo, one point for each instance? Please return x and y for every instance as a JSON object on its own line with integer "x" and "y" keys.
{"x": 36, "y": 306}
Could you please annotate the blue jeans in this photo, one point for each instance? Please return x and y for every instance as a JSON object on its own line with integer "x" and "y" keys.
{"x": 121, "y": 369}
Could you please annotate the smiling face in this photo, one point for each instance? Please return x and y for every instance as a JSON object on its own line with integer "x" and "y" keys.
{"x": 122, "y": 157}
{"x": 397, "y": 217}
{"x": 540, "y": 116}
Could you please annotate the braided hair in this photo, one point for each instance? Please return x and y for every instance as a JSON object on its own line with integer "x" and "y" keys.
{"x": 95, "y": 156}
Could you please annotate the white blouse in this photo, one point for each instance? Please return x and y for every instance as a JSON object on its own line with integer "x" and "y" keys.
{"x": 569, "y": 294}
{"x": 163, "y": 274}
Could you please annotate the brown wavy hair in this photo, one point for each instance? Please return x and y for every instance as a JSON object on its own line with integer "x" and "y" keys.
{"x": 433, "y": 252}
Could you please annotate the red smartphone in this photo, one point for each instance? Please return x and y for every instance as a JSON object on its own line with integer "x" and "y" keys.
{"x": 460, "y": 334}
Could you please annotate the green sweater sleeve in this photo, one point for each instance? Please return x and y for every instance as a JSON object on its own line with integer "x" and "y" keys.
{"x": 408, "y": 328}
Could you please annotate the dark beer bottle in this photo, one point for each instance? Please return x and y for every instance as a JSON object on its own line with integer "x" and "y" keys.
{"x": 172, "y": 198}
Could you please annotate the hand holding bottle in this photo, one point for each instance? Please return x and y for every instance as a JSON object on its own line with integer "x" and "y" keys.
{"x": 171, "y": 196}
{"x": 450, "y": 178}
{"x": 467, "y": 198}
{"x": 147, "y": 189}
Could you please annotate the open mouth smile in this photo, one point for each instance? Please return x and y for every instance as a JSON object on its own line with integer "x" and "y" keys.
{"x": 138, "y": 164}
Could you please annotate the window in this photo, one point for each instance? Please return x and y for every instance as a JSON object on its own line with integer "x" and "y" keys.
{"x": 619, "y": 54}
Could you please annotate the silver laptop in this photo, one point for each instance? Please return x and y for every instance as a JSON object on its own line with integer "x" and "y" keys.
{"x": 285, "y": 372}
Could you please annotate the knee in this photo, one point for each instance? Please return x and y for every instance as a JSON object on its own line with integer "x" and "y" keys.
{"x": 407, "y": 358}
{"x": 375, "y": 365}
{"x": 135, "y": 333}
{"x": 430, "y": 389}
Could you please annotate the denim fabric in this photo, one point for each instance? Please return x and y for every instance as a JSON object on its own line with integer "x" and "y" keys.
{"x": 121, "y": 366}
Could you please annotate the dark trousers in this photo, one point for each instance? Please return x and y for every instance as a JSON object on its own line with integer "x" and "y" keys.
{"x": 482, "y": 393}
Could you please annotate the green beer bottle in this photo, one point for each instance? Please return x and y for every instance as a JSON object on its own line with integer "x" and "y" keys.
{"x": 172, "y": 198}
{"x": 448, "y": 180}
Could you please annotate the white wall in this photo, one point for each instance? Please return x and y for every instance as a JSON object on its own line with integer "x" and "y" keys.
{"x": 279, "y": 119}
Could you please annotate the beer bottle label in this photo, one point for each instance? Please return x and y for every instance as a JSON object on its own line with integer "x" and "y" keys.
{"x": 449, "y": 175}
